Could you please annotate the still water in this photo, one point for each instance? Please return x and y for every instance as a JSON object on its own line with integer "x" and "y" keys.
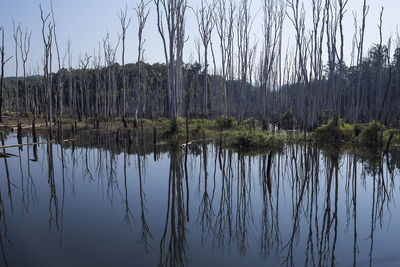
{"x": 98, "y": 203}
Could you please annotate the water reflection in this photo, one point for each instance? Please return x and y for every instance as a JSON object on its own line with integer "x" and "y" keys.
{"x": 198, "y": 204}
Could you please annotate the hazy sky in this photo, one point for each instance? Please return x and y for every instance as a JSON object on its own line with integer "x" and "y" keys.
{"x": 86, "y": 22}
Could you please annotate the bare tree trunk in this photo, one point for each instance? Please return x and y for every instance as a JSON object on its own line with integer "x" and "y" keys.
{"x": 174, "y": 17}
{"x": 3, "y": 62}
{"x": 360, "y": 47}
{"x": 142, "y": 13}
{"x": 24, "y": 46}
{"x": 205, "y": 24}
{"x": 60, "y": 81}
{"x": 17, "y": 31}
{"x": 47, "y": 40}
{"x": 124, "y": 26}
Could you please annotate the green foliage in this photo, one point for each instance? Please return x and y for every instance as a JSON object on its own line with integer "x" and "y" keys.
{"x": 370, "y": 136}
{"x": 226, "y": 122}
{"x": 334, "y": 133}
{"x": 250, "y": 123}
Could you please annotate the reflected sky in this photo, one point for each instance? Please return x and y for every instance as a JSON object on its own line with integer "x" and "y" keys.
{"x": 95, "y": 203}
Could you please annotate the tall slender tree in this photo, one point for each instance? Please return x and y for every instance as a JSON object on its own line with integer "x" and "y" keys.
{"x": 205, "y": 23}
{"x": 47, "y": 73}
{"x": 172, "y": 12}
{"x": 125, "y": 21}
{"x": 142, "y": 13}
{"x": 3, "y": 62}
{"x": 17, "y": 29}
{"x": 24, "y": 46}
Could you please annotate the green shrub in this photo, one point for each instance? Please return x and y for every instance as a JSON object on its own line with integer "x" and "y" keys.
{"x": 226, "y": 122}
{"x": 334, "y": 133}
{"x": 371, "y": 134}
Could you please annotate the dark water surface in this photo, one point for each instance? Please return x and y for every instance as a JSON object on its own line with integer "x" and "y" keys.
{"x": 102, "y": 204}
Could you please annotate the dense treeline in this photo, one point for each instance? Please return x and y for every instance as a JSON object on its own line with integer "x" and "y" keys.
{"x": 92, "y": 93}
{"x": 252, "y": 79}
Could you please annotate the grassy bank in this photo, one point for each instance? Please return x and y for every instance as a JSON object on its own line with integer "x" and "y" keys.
{"x": 248, "y": 134}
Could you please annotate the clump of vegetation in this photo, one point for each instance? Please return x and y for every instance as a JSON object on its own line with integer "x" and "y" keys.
{"x": 336, "y": 132}
{"x": 250, "y": 123}
{"x": 226, "y": 122}
{"x": 371, "y": 134}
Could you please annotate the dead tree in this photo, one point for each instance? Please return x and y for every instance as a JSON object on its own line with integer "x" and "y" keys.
{"x": 24, "y": 46}
{"x": 205, "y": 24}
{"x": 84, "y": 85}
{"x": 3, "y": 62}
{"x": 274, "y": 14}
{"x": 71, "y": 79}
{"x": 360, "y": 47}
{"x": 47, "y": 76}
{"x": 172, "y": 12}
{"x": 60, "y": 81}
{"x": 109, "y": 59}
{"x": 244, "y": 23}
{"x": 97, "y": 67}
{"x": 124, "y": 26}
{"x": 297, "y": 17}
{"x": 142, "y": 13}
{"x": 223, "y": 19}
{"x": 17, "y": 30}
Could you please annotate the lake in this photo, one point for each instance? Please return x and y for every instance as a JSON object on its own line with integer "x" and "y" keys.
{"x": 95, "y": 202}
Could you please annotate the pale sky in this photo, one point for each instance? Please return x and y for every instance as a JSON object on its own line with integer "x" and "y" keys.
{"x": 85, "y": 23}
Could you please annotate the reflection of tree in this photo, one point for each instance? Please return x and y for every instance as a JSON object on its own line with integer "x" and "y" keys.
{"x": 223, "y": 220}
{"x": 173, "y": 242}
{"x": 270, "y": 235}
{"x": 145, "y": 233}
{"x": 31, "y": 194}
{"x": 244, "y": 213}
{"x": 299, "y": 190}
{"x": 3, "y": 232}
{"x": 53, "y": 202}
{"x": 205, "y": 208}
{"x": 329, "y": 219}
{"x": 8, "y": 176}
{"x": 128, "y": 214}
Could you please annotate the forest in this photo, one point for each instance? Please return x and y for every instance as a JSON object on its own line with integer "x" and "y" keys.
{"x": 299, "y": 87}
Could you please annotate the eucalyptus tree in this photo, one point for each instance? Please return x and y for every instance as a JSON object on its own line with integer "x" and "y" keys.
{"x": 125, "y": 22}
{"x": 205, "y": 23}
{"x": 3, "y": 62}
{"x": 109, "y": 59}
{"x": 296, "y": 14}
{"x": 98, "y": 88}
{"x": 61, "y": 64}
{"x": 221, "y": 23}
{"x": 16, "y": 32}
{"x": 84, "y": 83}
{"x": 244, "y": 22}
{"x": 142, "y": 12}
{"x": 360, "y": 47}
{"x": 172, "y": 12}
{"x": 317, "y": 36}
{"x": 47, "y": 59}
{"x": 71, "y": 82}
{"x": 273, "y": 18}
{"x": 24, "y": 46}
